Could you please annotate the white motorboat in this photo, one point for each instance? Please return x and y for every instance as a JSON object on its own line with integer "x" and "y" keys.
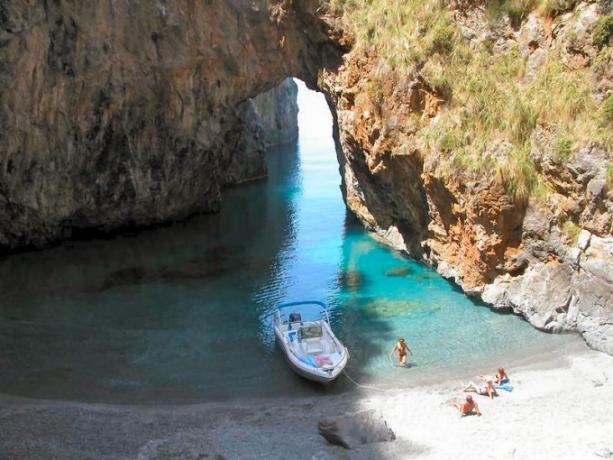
{"x": 310, "y": 346}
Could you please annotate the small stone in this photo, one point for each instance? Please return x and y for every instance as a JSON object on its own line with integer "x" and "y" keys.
{"x": 535, "y": 61}
{"x": 573, "y": 255}
{"x": 596, "y": 186}
{"x": 583, "y": 240}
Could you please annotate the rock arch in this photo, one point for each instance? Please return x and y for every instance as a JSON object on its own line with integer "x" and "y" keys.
{"x": 119, "y": 113}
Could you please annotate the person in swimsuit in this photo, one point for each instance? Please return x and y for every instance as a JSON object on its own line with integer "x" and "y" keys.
{"x": 487, "y": 390}
{"x": 402, "y": 348}
{"x": 502, "y": 377}
{"x": 467, "y": 407}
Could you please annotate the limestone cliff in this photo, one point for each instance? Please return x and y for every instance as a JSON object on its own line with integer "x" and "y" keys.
{"x": 269, "y": 119}
{"x": 475, "y": 135}
{"x": 276, "y": 113}
{"x": 129, "y": 113}
{"x": 481, "y": 144}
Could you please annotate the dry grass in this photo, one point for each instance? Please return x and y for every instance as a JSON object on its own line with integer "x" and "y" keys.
{"x": 491, "y": 119}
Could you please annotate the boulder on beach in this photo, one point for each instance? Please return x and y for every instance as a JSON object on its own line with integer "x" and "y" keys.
{"x": 352, "y": 430}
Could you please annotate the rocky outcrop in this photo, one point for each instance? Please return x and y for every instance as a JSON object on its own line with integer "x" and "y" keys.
{"x": 513, "y": 253}
{"x": 353, "y": 430}
{"x": 276, "y": 114}
{"x": 269, "y": 119}
{"x": 129, "y": 113}
{"x": 573, "y": 295}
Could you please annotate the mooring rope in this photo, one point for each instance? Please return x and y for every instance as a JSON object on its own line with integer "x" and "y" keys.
{"x": 372, "y": 387}
{"x": 360, "y": 385}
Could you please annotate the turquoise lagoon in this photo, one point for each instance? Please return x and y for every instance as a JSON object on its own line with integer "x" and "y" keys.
{"x": 181, "y": 313}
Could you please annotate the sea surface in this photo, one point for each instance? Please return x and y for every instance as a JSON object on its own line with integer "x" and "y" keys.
{"x": 182, "y": 313}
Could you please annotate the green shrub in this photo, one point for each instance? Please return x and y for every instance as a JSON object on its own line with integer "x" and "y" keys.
{"x": 603, "y": 29}
{"x": 519, "y": 173}
{"x": 449, "y": 142}
{"x": 441, "y": 37}
{"x": 607, "y": 109}
{"x": 518, "y": 10}
{"x": 562, "y": 149}
{"x": 374, "y": 89}
{"x": 554, "y": 7}
{"x": 571, "y": 230}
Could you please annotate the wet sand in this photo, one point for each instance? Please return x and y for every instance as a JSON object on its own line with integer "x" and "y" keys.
{"x": 561, "y": 407}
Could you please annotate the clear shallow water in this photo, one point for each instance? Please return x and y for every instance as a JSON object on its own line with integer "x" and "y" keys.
{"x": 181, "y": 313}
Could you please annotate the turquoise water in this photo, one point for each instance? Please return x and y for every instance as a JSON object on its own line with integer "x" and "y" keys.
{"x": 182, "y": 312}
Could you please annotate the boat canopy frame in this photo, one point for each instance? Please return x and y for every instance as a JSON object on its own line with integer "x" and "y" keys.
{"x": 323, "y": 306}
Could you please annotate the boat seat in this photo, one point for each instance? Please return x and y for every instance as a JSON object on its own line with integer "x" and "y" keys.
{"x": 313, "y": 346}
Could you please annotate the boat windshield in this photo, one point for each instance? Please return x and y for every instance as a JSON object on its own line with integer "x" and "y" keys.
{"x": 312, "y": 331}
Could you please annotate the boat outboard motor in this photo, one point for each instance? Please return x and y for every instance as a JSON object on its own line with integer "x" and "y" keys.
{"x": 295, "y": 317}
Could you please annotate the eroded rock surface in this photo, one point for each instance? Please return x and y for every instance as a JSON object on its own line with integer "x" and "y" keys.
{"x": 533, "y": 256}
{"x": 353, "y": 430}
{"x": 269, "y": 119}
{"x": 129, "y": 113}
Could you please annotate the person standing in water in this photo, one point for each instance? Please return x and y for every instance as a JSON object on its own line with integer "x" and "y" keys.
{"x": 402, "y": 348}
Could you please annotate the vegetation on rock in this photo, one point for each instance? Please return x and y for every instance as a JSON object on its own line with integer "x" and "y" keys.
{"x": 498, "y": 112}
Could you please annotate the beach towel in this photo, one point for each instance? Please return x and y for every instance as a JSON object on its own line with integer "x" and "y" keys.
{"x": 323, "y": 359}
{"x": 309, "y": 361}
{"x": 506, "y": 386}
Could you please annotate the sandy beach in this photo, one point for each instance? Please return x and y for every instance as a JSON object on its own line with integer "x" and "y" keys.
{"x": 561, "y": 407}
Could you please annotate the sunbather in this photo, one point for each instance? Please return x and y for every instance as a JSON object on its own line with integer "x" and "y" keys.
{"x": 487, "y": 390}
{"x": 467, "y": 407}
{"x": 501, "y": 377}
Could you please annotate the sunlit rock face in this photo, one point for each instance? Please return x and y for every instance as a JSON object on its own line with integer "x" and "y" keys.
{"x": 513, "y": 254}
{"x": 129, "y": 113}
{"x": 117, "y": 113}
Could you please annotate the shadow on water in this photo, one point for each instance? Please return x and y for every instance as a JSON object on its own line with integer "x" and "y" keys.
{"x": 181, "y": 314}
{"x": 142, "y": 317}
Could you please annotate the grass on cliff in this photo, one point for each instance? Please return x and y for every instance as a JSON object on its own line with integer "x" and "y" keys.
{"x": 494, "y": 118}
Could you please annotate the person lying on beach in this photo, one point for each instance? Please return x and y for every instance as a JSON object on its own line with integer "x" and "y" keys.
{"x": 502, "y": 377}
{"x": 467, "y": 407}
{"x": 402, "y": 348}
{"x": 487, "y": 390}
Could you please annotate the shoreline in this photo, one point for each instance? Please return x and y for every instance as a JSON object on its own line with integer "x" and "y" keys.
{"x": 559, "y": 408}
{"x": 543, "y": 354}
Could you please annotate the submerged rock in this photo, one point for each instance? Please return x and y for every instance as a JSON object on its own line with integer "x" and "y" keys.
{"x": 398, "y": 271}
{"x": 390, "y": 307}
{"x": 351, "y": 280}
{"x": 352, "y": 430}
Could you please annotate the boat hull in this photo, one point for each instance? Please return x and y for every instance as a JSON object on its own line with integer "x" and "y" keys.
{"x": 307, "y": 372}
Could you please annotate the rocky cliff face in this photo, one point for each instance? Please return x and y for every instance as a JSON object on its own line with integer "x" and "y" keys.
{"x": 548, "y": 256}
{"x": 269, "y": 119}
{"x": 276, "y": 114}
{"x": 120, "y": 113}
{"x": 129, "y": 113}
